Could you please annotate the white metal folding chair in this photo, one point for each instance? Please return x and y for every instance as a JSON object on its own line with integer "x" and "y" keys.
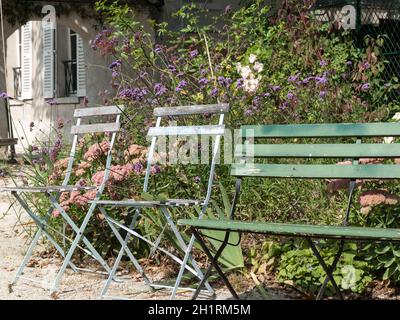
{"x": 154, "y": 133}
{"x": 53, "y": 193}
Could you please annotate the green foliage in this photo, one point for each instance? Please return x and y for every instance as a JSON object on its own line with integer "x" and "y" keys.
{"x": 383, "y": 257}
{"x": 302, "y": 267}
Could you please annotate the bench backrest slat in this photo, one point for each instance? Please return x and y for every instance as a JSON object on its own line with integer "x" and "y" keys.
{"x": 189, "y": 110}
{"x": 98, "y": 111}
{"x": 323, "y": 130}
{"x": 319, "y": 150}
{"x": 95, "y": 128}
{"x": 314, "y": 171}
{"x": 251, "y": 151}
{"x": 186, "y": 130}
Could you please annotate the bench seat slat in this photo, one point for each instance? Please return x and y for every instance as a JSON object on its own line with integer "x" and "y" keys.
{"x": 95, "y": 128}
{"x": 314, "y": 171}
{"x": 299, "y": 230}
{"x": 188, "y": 110}
{"x": 97, "y": 111}
{"x": 186, "y": 130}
{"x": 8, "y": 142}
{"x": 391, "y": 129}
{"x": 149, "y": 204}
{"x": 320, "y": 150}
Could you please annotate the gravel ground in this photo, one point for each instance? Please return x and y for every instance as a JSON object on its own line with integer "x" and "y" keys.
{"x": 43, "y": 267}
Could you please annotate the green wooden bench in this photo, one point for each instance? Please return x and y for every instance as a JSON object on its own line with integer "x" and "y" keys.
{"x": 252, "y": 153}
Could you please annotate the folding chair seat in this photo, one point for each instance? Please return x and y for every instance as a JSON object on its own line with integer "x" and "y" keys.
{"x": 54, "y": 192}
{"x": 162, "y": 206}
{"x": 152, "y": 204}
{"x": 47, "y": 189}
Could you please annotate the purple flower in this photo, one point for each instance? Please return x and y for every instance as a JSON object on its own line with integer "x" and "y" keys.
{"x": 227, "y": 9}
{"x": 308, "y": 79}
{"x": 293, "y": 78}
{"x": 224, "y": 81}
{"x": 366, "y": 65}
{"x": 137, "y": 35}
{"x": 248, "y": 112}
{"x": 115, "y": 74}
{"x": 55, "y": 150}
{"x": 290, "y": 95}
{"x": 159, "y": 89}
{"x": 349, "y": 63}
{"x": 193, "y": 53}
{"x": 197, "y": 179}
{"x": 276, "y": 88}
{"x": 51, "y": 102}
{"x": 133, "y": 93}
{"x": 365, "y": 87}
{"x": 321, "y": 80}
{"x": 2, "y": 173}
{"x": 323, "y": 63}
{"x": 138, "y": 167}
{"x": 171, "y": 68}
{"x": 284, "y": 105}
{"x": 203, "y": 82}
{"x": 115, "y": 64}
{"x": 239, "y": 83}
{"x": 214, "y": 92}
{"x": 256, "y": 101}
{"x": 155, "y": 169}
{"x": 266, "y": 94}
{"x": 181, "y": 85}
{"x": 322, "y": 93}
{"x": 3, "y": 95}
{"x": 157, "y": 49}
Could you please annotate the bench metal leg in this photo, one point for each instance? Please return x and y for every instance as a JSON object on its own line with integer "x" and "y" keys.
{"x": 214, "y": 263}
{"x": 328, "y": 270}
{"x": 341, "y": 245}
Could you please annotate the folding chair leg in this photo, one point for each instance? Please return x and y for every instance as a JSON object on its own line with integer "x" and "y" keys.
{"x": 71, "y": 250}
{"x": 41, "y": 230}
{"x": 185, "y": 248}
{"x": 214, "y": 263}
{"x": 124, "y": 248}
{"x": 182, "y": 268}
{"x": 92, "y": 251}
{"x": 327, "y": 270}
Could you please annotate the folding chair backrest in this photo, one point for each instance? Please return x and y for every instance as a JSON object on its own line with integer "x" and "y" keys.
{"x": 325, "y": 151}
{"x": 93, "y": 115}
{"x": 208, "y": 130}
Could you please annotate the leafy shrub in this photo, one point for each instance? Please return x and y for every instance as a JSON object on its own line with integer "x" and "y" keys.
{"x": 302, "y": 267}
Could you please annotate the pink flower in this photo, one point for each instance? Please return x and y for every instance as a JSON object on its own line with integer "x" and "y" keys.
{"x": 376, "y": 197}
{"x": 98, "y": 178}
{"x": 97, "y": 150}
{"x": 56, "y": 213}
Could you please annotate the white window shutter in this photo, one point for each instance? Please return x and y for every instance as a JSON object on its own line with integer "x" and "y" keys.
{"x": 48, "y": 61}
{"x": 81, "y": 67}
{"x": 26, "y": 61}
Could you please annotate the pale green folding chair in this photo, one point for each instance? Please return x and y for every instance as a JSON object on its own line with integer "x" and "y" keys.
{"x": 53, "y": 194}
{"x": 163, "y": 207}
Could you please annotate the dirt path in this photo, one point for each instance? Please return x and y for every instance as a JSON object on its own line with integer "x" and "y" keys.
{"x": 43, "y": 269}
